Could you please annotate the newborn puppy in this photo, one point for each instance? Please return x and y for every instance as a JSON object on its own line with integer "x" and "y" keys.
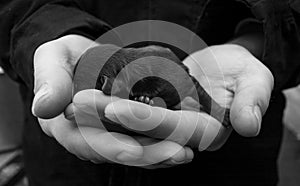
{"x": 149, "y": 75}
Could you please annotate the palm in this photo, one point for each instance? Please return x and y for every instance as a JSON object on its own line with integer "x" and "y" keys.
{"x": 217, "y": 78}
{"x": 235, "y": 79}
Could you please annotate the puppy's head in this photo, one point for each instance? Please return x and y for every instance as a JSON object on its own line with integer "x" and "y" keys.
{"x": 151, "y": 71}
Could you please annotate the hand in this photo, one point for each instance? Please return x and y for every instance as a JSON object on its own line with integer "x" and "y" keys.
{"x": 54, "y": 63}
{"x": 238, "y": 80}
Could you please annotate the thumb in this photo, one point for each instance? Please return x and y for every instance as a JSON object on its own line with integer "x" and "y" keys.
{"x": 250, "y": 102}
{"x": 54, "y": 63}
{"x": 53, "y": 80}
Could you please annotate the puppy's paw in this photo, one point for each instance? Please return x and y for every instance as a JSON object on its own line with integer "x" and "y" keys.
{"x": 144, "y": 99}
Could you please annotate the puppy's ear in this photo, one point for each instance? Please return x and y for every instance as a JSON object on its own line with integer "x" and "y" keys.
{"x": 107, "y": 85}
{"x": 114, "y": 86}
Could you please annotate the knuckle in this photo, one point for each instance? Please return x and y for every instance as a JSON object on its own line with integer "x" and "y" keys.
{"x": 44, "y": 47}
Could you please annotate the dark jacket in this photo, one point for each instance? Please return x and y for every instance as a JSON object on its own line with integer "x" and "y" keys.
{"x": 26, "y": 24}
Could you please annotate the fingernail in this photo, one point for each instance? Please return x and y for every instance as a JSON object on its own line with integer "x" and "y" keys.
{"x": 42, "y": 92}
{"x": 69, "y": 113}
{"x": 70, "y": 117}
{"x": 142, "y": 111}
{"x": 81, "y": 158}
{"x": 174, "y": 162}
{"x": 200, "y": 148}
{"x": 126, "y": 157}
{"x": 258, "y": 116}
{"x": 94, "y": 161}
{"x": 188, "y": 161}
{"x": 177, "y": 162}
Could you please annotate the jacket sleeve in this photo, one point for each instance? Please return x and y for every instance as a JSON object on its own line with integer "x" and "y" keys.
{"x": 281, "y": 24}
{"x": 26, "y": 24}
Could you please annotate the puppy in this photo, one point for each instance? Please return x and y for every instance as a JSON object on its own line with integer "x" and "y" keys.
{"x": 153, "y": 75}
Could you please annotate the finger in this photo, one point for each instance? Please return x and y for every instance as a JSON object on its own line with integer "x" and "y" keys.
{"x": 87, "y": 107}
{"x": 86, "y": 101}
{"x": 198, "y": 129}
{"x": 184, "y": 127}
{"x": 92, "y": 144}
{"x": 159, "y": 154}
{"x": 252, "y": 95}
{"x": 54, "y": 63}
{"x": 178, "y": 158}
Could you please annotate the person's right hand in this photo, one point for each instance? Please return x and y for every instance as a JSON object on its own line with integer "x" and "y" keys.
{"x": 54, "y": 63}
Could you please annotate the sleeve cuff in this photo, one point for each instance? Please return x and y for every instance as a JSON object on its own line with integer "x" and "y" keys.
{"x": 248, "y": 25}
{"x": 48, "y": 23}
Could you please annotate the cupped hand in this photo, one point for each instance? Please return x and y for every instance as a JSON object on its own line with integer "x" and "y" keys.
{"x": 236, "y": 79}
{"x": 54, "y": 63}
{"x": 233, "y": 77}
